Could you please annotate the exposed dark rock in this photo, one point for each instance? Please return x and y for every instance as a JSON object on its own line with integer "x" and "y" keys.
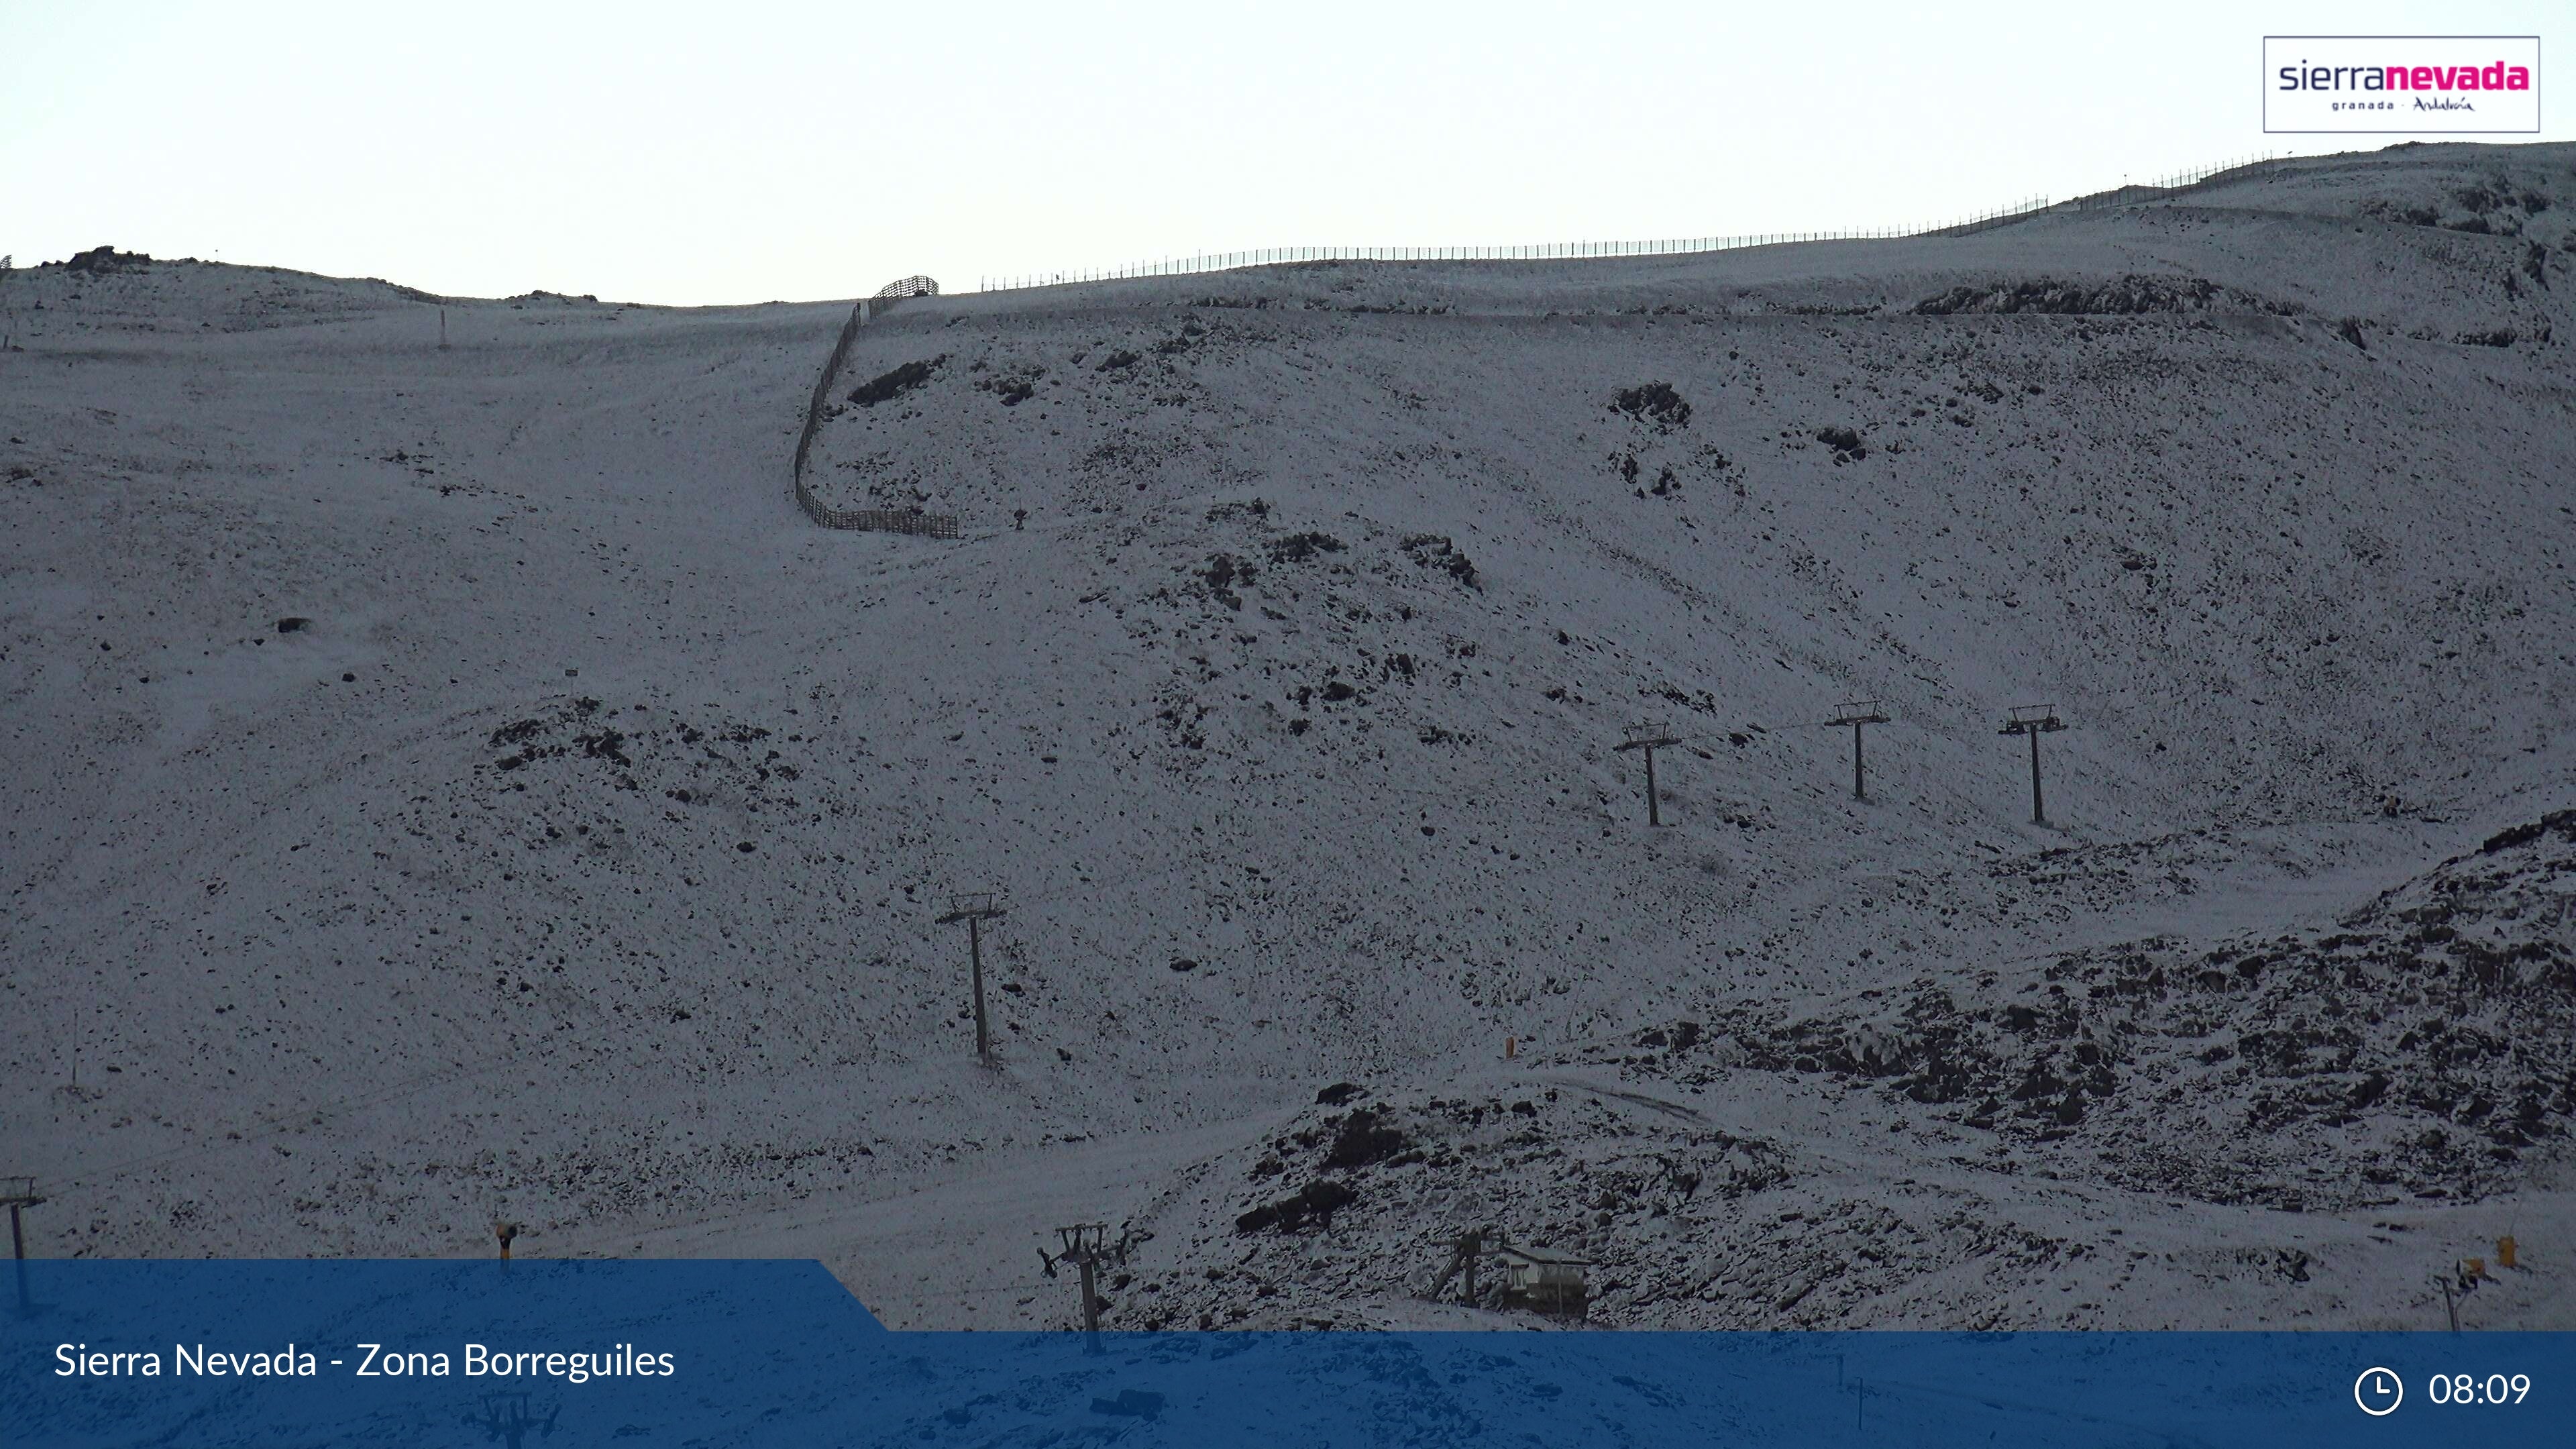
{"x": 2129, "y": 296}
{"x": 1655, "y": 403}
{"x": 1312, "y": 1205}
{"x": 894, "y": 383}
{"x": 1365, "y": 1139}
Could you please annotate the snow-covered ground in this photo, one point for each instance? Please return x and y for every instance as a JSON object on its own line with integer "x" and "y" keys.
{"x": 575, "y": 859}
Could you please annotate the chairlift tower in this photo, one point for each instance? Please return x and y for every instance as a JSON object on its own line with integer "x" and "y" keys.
{"x": 1087, "y": 1246}
{"x": 1650, "y": 736}
{"x": 975, "y": 908}
{"x": 2034, "y": 720}
{"x": 1858, "y": 712}
{"x": 20, "y": 1194}
{"x": 1463, "y": 1253}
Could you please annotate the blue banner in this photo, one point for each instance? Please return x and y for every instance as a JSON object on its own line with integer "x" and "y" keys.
{"x": 778, "y": 1353}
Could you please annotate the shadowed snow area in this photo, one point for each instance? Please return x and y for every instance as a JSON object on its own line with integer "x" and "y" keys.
{"x": 458, "y": 784}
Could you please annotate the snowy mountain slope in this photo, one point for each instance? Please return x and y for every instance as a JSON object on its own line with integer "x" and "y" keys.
{"x": 1287, "y": 723}
{"x": 2408, "y": 1054}
{"x": 2480, "y": 190}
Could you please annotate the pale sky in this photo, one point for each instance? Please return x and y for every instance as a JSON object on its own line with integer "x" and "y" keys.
{"x": 744, "y": 152}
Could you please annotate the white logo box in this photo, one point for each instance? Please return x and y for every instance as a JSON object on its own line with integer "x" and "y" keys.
{"x": 2402, "y": 84}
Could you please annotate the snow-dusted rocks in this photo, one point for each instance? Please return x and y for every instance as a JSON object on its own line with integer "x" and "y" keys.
{"x": 575, "y": 858}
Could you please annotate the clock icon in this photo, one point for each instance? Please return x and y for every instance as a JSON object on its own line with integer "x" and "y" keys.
{"x": 2378, "y": 1391}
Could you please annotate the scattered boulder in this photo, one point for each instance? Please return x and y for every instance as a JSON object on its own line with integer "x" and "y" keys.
{"x": 1432, "y": 550}
{"x": 1653, "y": 403}
{"x": 1300, "y": 547}
{"x": 1845, "y": 442}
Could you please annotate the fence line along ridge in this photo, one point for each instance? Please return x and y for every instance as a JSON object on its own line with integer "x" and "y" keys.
{"x": 1200, "y": 262}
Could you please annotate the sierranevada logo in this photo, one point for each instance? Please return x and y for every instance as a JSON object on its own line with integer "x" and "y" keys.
{"x": 2443, "y": 84}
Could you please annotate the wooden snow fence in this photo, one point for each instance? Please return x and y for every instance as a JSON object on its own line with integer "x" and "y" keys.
{"x": 879, "y": 520}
